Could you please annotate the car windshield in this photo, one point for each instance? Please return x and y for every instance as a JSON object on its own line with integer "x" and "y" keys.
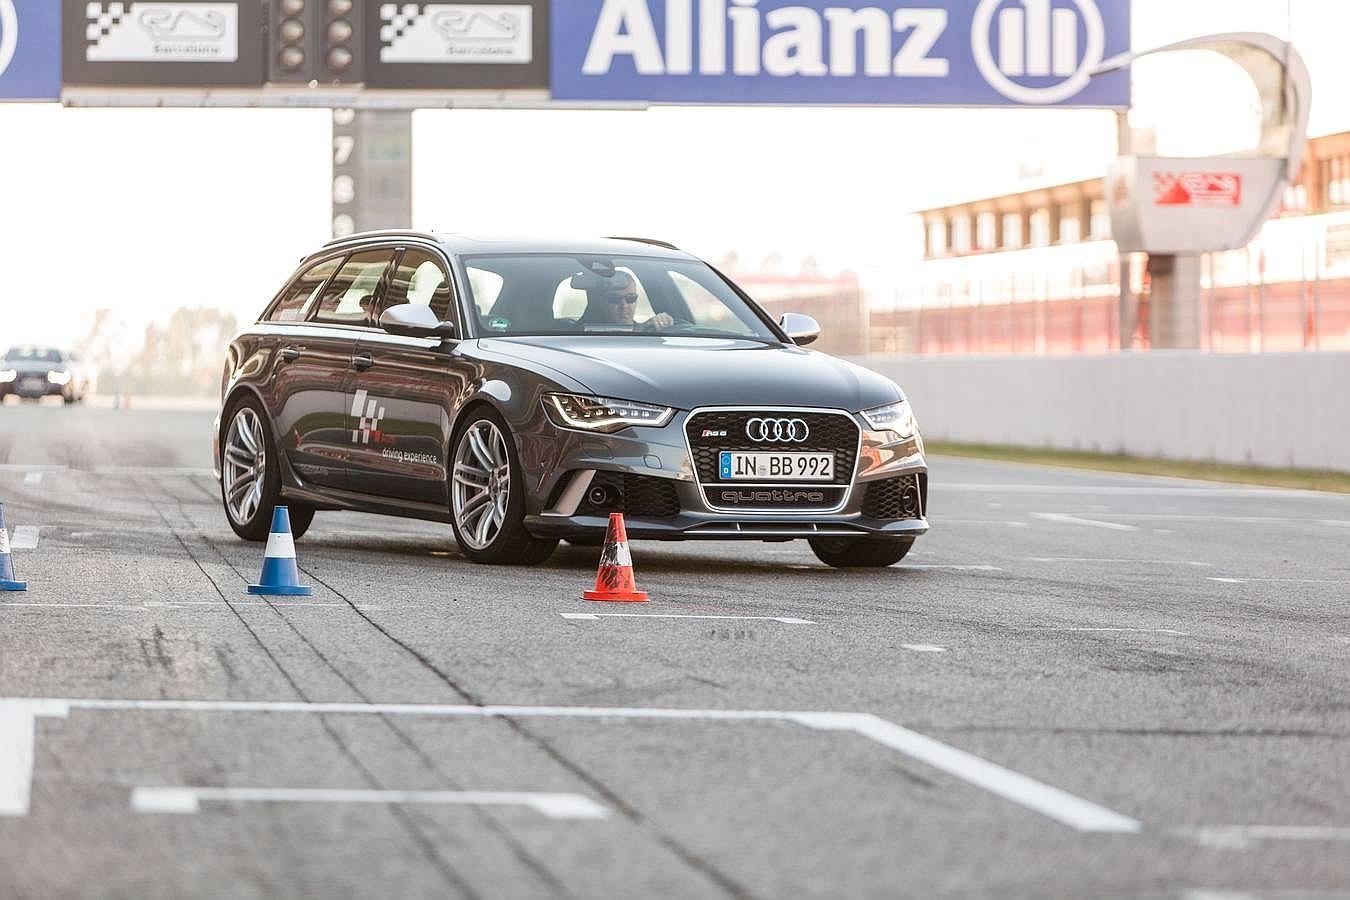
{"x": 546, "y": 294}
{"x": 32, "y": 354}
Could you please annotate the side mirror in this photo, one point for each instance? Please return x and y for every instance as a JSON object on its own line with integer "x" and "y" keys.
{"x": 802, "y": 329}
{"x": 414, "y": 320}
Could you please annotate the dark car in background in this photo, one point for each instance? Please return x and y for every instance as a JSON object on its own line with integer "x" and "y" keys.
{"x": 523, "y": 391}
{"x": 32, "y": 372}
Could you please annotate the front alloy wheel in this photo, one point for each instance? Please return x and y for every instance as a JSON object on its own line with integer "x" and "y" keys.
{"x": 487, "y": 496}
{"x": 250, "y": 480}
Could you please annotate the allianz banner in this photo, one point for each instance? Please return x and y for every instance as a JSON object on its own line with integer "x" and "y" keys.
{"x": 895, "y": 52}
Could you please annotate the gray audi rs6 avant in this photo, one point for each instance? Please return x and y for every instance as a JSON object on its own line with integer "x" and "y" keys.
{"x": 523, "y": 391}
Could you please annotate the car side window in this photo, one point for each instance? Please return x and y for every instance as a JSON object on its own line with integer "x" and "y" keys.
{"x": 298, "y": 300}
{"x": 420, "y": 279}
{"x": 351, "y": 296}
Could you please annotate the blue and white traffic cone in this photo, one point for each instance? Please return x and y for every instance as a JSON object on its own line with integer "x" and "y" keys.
{"x": 8, "y": 580}
{"x": 280, "y": 575}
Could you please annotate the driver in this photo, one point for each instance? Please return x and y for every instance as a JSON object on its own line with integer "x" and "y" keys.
{"x": 615, "y": 303}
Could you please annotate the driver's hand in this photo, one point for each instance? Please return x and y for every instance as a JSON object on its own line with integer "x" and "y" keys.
{"x": 660, "y": 320}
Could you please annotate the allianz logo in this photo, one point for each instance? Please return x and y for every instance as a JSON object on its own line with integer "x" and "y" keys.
{"x": 1009, "y": 39}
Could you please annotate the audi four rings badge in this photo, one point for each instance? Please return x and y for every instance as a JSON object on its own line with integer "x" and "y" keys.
{"x": 777, "y": 431}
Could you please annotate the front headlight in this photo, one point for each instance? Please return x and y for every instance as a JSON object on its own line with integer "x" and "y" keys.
{"x": 61, "y": 378}
{"x": 7, "y": 375}
{"x": 602, "y": 414}
{"x": 894, "y": 417}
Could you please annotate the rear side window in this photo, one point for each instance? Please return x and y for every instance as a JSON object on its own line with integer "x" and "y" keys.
{"x": 351, "y": 296}
{"x": 299, "y": 299}
{"x": 420, "y": 279}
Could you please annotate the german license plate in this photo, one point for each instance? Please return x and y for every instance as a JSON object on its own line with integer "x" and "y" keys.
{"x": 737, "y": 466}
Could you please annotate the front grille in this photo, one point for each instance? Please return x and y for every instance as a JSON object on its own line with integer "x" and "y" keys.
{"x": 639, "y": 496}
{"x": 829, "y": 432}
{"x": 894, "y": 498}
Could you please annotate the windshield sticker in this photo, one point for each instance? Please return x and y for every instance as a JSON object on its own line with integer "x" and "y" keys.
{"x": 497, "y": 323}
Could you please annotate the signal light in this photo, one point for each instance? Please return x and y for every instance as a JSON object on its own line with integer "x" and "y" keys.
{"x": 315, "y": 42}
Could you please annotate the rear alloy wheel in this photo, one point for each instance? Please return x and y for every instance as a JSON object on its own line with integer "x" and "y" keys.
{"x": 487, "y": 496}
{"x": 250, "y": 477}
{"x": 855, "y": 553}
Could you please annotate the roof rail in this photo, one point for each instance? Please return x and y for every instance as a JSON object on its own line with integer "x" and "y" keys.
{"x": 383, "y": 233}
{"x": 642, "y": 240}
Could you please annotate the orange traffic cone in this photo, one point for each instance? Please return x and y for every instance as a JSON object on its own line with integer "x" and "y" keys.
{"x": 614, "y": 580}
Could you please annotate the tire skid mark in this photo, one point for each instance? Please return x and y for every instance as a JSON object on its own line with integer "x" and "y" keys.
{"x": 432, "y": 854}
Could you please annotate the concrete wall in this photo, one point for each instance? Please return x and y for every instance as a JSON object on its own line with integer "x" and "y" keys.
{"x": 1274, "y": 409}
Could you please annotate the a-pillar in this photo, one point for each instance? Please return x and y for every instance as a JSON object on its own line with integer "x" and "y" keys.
{"x": 372, "y": 170}
{"x": 1174, "y": 302}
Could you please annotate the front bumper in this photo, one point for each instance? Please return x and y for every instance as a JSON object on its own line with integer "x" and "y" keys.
{"x": 571, "y": 463}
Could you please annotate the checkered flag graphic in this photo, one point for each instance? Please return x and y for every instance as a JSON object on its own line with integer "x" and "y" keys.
{"x": 102, "y": 18}
{"x": 397, "y": 18}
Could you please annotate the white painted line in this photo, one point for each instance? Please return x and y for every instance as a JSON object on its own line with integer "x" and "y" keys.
{"x": 1110, "y": 560}
{"x": 1336, "y": 523}
{"x": 1160, "y": 491}
{"x": 1052, "y": 802}
{"x": 111, "y": 607}
{"x": 1074, "y": 520}
{"x": 954, "y": 568}
{"x": 180, "y": 801}
{"x": 23, "y": 469}
{"x": 924, "y": 648}
{"x": 1171, "y": 631}
{"x": 595, "y": 617}
{"x": 1044, "y": 799}
{"x": 25, "y": 538}
{"x": 1239, "y": 836}
{"x": 33, "y": 478}
{"x": 1218, "y": 895}
{"x": 16, "y": 758}
{"x": 153, "y": 470}
{"x": 1247, "y": 580}
{"x": 187, "y": 604}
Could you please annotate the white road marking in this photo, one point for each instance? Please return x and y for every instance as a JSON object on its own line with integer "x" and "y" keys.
{"x": 184, "y": 471}
{"x": 1218, "y": 895}
{"x": 1171, "y": 631}
{"x": 1336, "y": 523}
{"x": 1248, "y": 580}
{"x": 188, "y": 800}
{"x": 111, "y": 607}
{"x": 186, "y": 604}
{"x": 33, "y": 478}
{"x": 595, "y": 617}
{"x": 1239, "y": 836}
{"x": 1104, "y": 559}
{"x": 1140, "y": 491}
{"x": 1074, "y": 520}
{"x": 25, "y": 538}
{"x": 924, "y": 648}
{"x": 23, "y": 469}
{"x": 954, "y": 568}
{"x": 1075, "y": 812}
{"x": 16, "y": 758}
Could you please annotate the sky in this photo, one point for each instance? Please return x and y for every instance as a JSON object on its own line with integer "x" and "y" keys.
{"x": 148, "y": 210}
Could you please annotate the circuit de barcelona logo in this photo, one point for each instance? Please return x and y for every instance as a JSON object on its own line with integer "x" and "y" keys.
{"x": 162, "y": 32}
{"x": 9, "y": 34}
{"x": 456, "y": 33}
{"x": 942, "y": 52}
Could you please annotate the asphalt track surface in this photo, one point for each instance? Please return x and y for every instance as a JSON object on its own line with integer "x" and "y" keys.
{"x": 1078, "y": 685}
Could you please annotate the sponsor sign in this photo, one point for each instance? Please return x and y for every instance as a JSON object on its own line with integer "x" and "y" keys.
{"x": 162, "y": 32}
{"x": 454, "y": 46}
{"x": 184, "y": 43}
{"x": 30, "y": 50}
{"x": 1177, "y": 205}
{"x": 1197, "y": 188}
{"x": 900, "y": 52}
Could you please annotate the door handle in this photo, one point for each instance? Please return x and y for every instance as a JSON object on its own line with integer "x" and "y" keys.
{"x": 361, "y": 363}
{"x": 290, "y": 354}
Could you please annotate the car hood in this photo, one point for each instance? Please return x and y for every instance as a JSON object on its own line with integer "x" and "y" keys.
{"x": 687, "y": 372}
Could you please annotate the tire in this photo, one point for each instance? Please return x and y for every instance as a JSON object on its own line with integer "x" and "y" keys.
{"x": 252, "y": 520}
{"x": 487, "y": 513}
{"x": 857, "y": 553}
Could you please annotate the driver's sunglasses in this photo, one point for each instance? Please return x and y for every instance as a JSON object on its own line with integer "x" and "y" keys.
{"x": 616, "y": 299}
